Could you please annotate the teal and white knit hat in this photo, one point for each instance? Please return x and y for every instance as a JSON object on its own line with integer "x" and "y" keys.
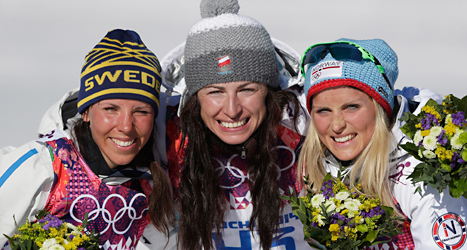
{"x": 227, "y": 47}
{"x": 329, "y": 72}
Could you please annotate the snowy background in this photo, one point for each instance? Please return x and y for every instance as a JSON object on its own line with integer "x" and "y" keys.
{"x": 43, "y": 43}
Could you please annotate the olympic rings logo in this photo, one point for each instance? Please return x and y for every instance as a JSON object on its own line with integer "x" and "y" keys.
{"x": 240, "y": 176}
{"x": 106, "y": 215}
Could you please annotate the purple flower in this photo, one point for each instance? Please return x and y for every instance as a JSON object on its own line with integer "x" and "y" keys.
{"x": 456, "y": 158}
{"x": 336, "y": 217}
{"x": 51, "y": 221}
{"x": 327, "y": 190}
{"x": 441, "y": 138}
{"x": 426, "y": 123}
{"x": 71, "y": 236}
{"x": 458, "y": 119}
{"x": 373, "y": 212}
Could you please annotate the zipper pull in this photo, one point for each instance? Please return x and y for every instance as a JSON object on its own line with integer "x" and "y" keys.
{"x": 243, "y": 152}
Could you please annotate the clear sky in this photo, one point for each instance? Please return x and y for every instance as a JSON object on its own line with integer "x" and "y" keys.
{"x": 43, "y": 43}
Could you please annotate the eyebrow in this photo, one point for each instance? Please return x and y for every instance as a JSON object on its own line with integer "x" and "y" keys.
{"x": 221, "y": 86}
{"x": 353, "y": 101}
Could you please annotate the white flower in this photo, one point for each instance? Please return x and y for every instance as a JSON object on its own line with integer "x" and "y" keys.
{"x": 429, "y": 154}
{"x": 56, "y": 247}
{"x": 429, "y": 142}
{"x": 352, "y": 204}
{"x": 320, "y": 220}
{"x": 317, "y": 200}
{"x": 435, "y": 130}
{"x": 417, "y": 138}
{"x": 448, "y": 118}
{"x": 342, "y": 195}
{"x": 48, "y": 243}
{"x": 455, "y": 143}
{"x": 331, "y": 206}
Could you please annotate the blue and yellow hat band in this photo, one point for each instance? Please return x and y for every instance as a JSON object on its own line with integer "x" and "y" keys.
{"x": 121, "y": 67}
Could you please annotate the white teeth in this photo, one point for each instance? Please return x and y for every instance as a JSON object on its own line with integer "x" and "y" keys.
{"x": 233, "y": 124}
{"x": 123, "y": 143}
{"x": 344, "y": 139}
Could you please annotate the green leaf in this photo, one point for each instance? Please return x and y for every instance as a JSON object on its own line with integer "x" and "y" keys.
{"x": 432, "y": 103}
{"x": 362, "y": 228}
{"x": 371, "y": 236}
{"x": 459, "y": 188}
{"x": 285, "y": 197}
{"x": 328, "y": 177}
{"x": 315, "y": 244}
{"x": 41, "y": 214}
{"x": 462, "y": 105}
{"x": 85, "y": 220}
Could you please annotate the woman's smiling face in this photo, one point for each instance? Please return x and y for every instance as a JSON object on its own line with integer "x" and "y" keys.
{"x": 345, "y": 120}
{"x": 233, "y": 111}
{"x": 120, "y": 128}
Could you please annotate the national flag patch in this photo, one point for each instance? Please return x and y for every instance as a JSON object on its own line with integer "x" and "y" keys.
{"x": 223, "y": 65}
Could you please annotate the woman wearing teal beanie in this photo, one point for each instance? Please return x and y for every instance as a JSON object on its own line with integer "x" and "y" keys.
{"x": 355, "y": 127}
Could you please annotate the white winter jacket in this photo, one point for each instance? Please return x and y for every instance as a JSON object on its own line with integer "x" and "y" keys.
{"x": 437, "y": 220}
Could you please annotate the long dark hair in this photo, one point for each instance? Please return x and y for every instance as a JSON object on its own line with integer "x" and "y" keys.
{"x": 202, "y": 203}
{"x": 161, "y": 205}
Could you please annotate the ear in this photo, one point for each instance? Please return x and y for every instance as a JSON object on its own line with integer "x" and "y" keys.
{"x": 85, "y": 116}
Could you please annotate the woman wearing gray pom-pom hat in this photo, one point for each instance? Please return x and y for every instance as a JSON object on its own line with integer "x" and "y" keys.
{"x": 240, "y": 139}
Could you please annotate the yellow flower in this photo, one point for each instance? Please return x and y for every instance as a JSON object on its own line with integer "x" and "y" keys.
{"x": 444, "y": 154}
{"x": 418, "y": 125}
{"x": 350, "y": 232}
{"x": 334, "y": 229}
{"x": 450, "y": 128}
{"x": 425, "y": 132}
{"x": 431, "y": 110}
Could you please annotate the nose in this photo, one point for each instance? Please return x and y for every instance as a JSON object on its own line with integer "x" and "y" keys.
{"x": 125, "y": 122}
{"x": 232, "y": 106}
{"x": 338, "y": 123}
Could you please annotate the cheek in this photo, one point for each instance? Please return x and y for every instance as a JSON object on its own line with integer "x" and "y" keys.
{"x": 321, "y": 124}
{"x": 256, "y": 106}
{"x": 209, "y": 108}
{"x": 146, "y": 126}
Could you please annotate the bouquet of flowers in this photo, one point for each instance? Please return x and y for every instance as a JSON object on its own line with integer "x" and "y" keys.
{"x": 439, "y": 141}
{"x": 339, "y": 218}
{"x": 50, "y": 233}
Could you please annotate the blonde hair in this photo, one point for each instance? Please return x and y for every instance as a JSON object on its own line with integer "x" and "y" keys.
{"x": 371, "y": 167}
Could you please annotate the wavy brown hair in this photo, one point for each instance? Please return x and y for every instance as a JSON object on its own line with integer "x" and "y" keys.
{"x": 202, "y": 203}
{"x": 161, "y": 205}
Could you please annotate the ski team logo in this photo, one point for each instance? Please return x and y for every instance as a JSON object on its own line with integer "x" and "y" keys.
{"x": 223, "y": 65}
{"x": 326, "y": 69}
{"x": 449, "y": 232}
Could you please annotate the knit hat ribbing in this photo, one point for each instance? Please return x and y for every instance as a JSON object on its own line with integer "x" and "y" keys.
{"x": 227, "y": 47}
{"x": 120, "y": 66}
{"x": 362, "y": 75}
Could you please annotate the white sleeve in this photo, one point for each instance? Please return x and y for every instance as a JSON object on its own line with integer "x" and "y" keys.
{"x": 437, "y": 219}
{"x": 26, "y": 177}
{"x": 155, "y": 240}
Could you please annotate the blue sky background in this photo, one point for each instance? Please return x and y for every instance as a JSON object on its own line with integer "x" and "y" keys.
{"x": 43, "y": 43}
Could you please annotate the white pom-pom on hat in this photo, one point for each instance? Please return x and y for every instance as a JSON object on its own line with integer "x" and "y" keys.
{"x": 212, "y": 8}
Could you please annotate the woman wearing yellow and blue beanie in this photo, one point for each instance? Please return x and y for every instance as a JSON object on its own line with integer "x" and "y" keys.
{"x": 355, "y": 128}
{"x": 106, "y": 168}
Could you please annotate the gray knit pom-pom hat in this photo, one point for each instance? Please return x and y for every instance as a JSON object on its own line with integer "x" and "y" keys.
{"x": 227, "y": 47}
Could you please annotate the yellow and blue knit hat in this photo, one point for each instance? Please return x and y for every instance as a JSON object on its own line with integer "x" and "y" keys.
{"x": 365, "y": 75}
{"x": 120, "y": 67}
